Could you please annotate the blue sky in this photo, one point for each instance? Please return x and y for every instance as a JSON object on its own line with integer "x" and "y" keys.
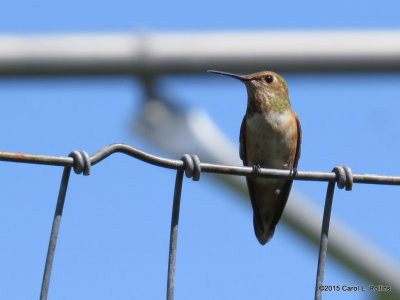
{"x": 114, "y": 235}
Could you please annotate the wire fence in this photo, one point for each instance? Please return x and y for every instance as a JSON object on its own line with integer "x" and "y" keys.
{"x": 191, "y": 166}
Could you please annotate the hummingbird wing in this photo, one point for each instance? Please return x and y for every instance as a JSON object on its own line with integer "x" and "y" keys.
{"x": 242, "y": 146}
{"x": 299, "y": 138}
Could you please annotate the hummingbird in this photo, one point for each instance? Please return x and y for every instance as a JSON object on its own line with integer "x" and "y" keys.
{"x": 270, "y": 137}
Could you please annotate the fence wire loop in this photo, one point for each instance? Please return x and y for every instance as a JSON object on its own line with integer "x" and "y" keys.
{"x": 344, "y": 177}
{"x": 82, "y": 162}
{"x": 192, "y": 166}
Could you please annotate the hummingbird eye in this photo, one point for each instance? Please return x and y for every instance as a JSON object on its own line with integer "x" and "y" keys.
{"x": 269, "y": 78}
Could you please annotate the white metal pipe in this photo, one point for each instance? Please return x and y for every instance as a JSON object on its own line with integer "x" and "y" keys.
{"x": 154, "y": 53}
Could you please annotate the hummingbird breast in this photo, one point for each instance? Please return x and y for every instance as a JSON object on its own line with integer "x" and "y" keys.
{"x": 271, "y": 139}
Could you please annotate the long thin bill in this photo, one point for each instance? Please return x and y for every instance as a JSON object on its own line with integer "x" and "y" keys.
{"x": 240, "y": 77}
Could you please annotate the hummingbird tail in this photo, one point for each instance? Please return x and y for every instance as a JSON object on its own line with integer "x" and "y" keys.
{"x": 264, "y": 235}
{"x": 268, "y": 198}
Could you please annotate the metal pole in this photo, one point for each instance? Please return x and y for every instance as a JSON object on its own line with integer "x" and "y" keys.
{"x": 148, "y": 53}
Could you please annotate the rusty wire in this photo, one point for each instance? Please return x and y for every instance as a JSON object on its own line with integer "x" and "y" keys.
{"x": 81, "y": 162}
{"x": 205, "y": 167}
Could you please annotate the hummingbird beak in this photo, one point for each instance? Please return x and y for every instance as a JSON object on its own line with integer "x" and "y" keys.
{"x": 242, "y": 78}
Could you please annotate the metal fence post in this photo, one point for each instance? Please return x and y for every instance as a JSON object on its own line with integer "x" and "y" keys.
{"x": 54, "y": 233}
{"x": 344, "y": 178}
{"x": 174, "y": 235}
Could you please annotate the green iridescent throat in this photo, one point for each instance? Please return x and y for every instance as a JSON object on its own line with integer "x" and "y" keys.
{"x": 279, "y": 104}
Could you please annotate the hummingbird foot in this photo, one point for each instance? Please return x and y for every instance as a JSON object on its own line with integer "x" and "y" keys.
{"x": 256, "y": 169}
{"x": 293, "y": 172}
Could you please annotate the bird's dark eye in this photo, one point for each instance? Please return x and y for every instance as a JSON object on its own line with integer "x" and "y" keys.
{"x": 269, "y": 78}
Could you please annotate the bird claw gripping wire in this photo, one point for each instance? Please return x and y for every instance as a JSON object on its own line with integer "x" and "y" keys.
{"x": 344, "y": 177}
{"x": 256, "y": 169}
{"x": 192, "y": 166}
{"x": 82, "y": 162}
{"x": 293, "y": 173}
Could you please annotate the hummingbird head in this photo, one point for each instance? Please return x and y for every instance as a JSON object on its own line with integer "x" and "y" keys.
{"x": 267, "y": 91}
